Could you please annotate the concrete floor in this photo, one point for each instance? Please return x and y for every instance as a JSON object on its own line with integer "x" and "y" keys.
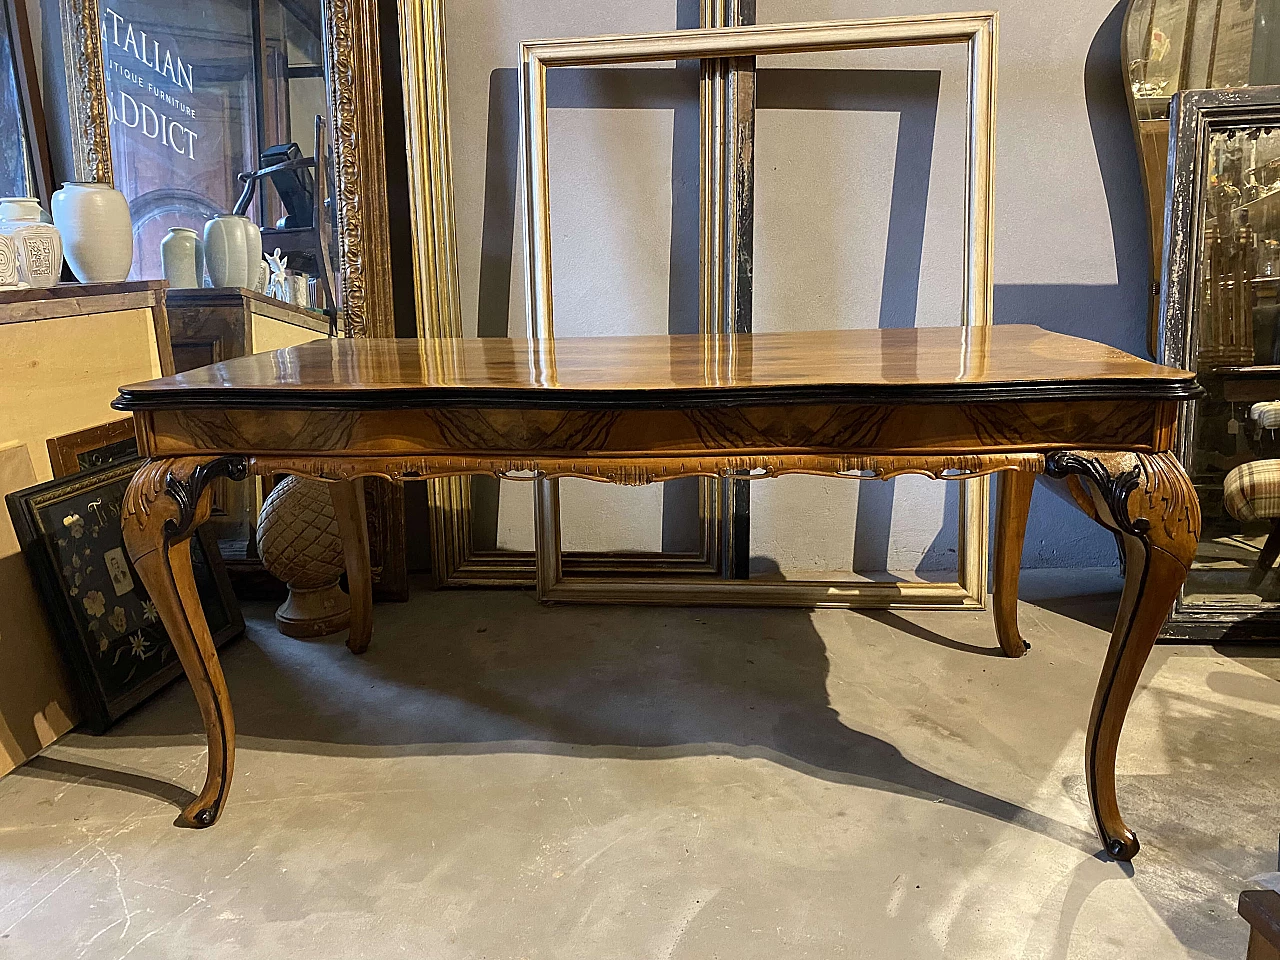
{"x": 497, "y": 779}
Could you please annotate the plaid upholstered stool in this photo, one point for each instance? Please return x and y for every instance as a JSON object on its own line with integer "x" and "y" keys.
{"x": 1252, "y": 492}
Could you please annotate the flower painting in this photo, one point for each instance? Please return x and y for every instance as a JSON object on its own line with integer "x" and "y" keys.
{"x": 95, "y": 604}
{"x": 110, "y": 629}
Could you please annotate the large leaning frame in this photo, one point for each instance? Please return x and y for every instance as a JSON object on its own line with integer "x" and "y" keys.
{"x": 726, "y": 93}
{"x": 978, "y": 32}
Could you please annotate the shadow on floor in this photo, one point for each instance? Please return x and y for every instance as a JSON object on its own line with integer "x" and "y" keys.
{"x": 553, "y": 680}
{"x": 71, "y": 771}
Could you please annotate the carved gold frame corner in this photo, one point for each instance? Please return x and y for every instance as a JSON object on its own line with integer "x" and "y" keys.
{"x": 723, "y": 45}
{"x": 353, "y": 63}
{"x": 353, "y": 68}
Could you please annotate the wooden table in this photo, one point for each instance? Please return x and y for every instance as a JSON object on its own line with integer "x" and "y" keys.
{"x": 947, "y": 403}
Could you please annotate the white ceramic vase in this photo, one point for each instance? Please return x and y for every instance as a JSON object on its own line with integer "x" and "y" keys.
{"x": 182, "y": 258}
{"x": 252, "y": 251}
{"x": 97, "y": 231}
{"x": 37, "y": 244}
{"x": 225, "y": 250}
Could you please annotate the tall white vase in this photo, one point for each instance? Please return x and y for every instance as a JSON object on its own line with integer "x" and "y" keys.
{"x": 226, "y": 252}
{"x": 37, "y": 244}
{"x": 182, "y": 258}
{"x": 97, "y": 231}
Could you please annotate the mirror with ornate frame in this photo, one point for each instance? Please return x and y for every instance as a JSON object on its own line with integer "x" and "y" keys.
{"x": 1172, "y": 45}
{"x": 1221, "y": 318}
{"x": 248, "y": 69}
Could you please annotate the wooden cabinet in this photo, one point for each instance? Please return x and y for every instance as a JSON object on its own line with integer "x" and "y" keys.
{"x": 210, "y": 325}
{"x": 214, "y": 324}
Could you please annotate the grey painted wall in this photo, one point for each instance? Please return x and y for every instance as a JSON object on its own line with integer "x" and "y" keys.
{"x": 859, "y": 213}
{"x": 858, "y": 223}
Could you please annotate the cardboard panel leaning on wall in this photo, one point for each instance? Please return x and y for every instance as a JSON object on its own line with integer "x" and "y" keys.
{"x": 35, "y": 700}
{"x": 63, "y": 357}
{"x": 62, "y": 372}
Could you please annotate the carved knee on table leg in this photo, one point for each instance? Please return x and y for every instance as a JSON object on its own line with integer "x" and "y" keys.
{"x": 1150, "y": 502}
{"x": 165, "y": 503}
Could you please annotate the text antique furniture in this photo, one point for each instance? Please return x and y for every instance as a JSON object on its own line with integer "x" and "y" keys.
{"x": 946, "y": 403}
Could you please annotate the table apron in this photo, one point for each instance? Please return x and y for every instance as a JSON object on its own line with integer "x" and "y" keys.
{"x": 763, "y": 431}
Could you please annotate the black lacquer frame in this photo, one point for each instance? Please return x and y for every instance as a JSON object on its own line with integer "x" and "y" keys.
{"x": 99, "y": 703}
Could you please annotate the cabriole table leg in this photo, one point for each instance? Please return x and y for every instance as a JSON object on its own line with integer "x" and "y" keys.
{"x": 1149, "y": 501}
{"x": 1013, "y": 504}
{"x": 348, "y": 505}
{"x": 165, "y": 503}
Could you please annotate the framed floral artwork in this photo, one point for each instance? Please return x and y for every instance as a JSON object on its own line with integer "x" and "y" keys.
{"x": 115, "y": 646}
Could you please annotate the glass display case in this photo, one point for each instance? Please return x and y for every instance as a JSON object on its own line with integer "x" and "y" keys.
{"x": 1172, "y": 45}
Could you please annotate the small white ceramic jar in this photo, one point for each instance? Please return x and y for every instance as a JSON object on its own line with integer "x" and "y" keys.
{"x": 37, "y": 244}
{"x": 8, "y": 263}
{"x": 97, "y": 230}
{"x": 182, "y": 258}
{"x": 261, "y": 277}
{"x": 23, "y": 209}
{"x": 298, "y": 289}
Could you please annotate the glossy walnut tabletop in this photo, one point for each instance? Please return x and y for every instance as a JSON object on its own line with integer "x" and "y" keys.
{"x": 934, "y": 365}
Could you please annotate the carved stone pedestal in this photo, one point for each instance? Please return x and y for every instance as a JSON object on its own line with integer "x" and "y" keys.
{"x": 300, "y": 543}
